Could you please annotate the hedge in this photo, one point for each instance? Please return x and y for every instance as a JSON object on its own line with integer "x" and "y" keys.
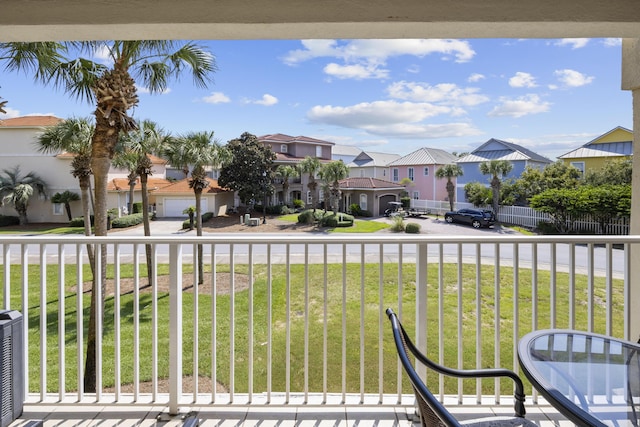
{"x": 127, "y": 221}
{"x": 412, "y": 228}
{"x": 6, "y": 220}
{"x": 79, "y": 221}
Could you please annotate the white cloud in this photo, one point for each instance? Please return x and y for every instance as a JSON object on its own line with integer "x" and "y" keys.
{"x": 216, "y": 98}
{"x": 10, "y": 113}
{"x": 573, "y": 43}
{"x": 356, "y": 71}
{"x": 413, "y": 69}
{"x": 443, "y": 93}
{"x": 572, "y": 78}
{"x": 520, "y": 107}
{"x": 522, "y": 79}
{"x": 612, "y": 42}
{"x": 267, "y": 100}
{"x": 475, "y": 77}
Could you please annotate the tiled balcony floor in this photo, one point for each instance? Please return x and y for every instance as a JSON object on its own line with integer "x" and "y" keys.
{"x": 257, "y": 415}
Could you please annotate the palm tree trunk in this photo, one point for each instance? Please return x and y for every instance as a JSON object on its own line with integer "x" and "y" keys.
{"x": 147, "y": 226}
{"x": 198, "y": 195}
{"x": 85, "y": 184}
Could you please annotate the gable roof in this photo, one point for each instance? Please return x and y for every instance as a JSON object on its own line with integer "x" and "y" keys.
{"x": 372, "y": 158}
{"x": 605, "y": 145}
{"x": 30, "y": 121}
{"x": 508, "y": 151}
{"x": 363, "y": 183}
{"x": 345, "y": 150}
{"x": 425, "y": 156}
{"x": 287, "y": 139}
{"x": 120, "y": 184}
{"x": 182, "y": 187}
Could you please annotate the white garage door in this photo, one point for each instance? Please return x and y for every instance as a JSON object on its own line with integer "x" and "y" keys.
{"x": 174, "y": 207}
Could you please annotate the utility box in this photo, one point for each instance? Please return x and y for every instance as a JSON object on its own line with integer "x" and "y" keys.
{"x": 12, "y": 388}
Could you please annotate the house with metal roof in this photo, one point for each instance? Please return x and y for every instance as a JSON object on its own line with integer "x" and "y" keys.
{"x": 370, "y": 164}
{"x": 346, "y": 153}
{"x": 495, "y": 149}
{"x": 420, "y": 167}
{"x": 615, "y": 144}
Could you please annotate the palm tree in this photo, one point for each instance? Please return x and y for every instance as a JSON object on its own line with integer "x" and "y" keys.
{"x": 286, "y": 172}
{"x": 311, "y": 166}
{"x": 332, "y": 173}
{"x": 200, "y": 149}
{"x": 449, "y": 171}
{"x": 497, "y": 169}
{"x": 112, "y": 88}
{"x": 17, "y": 189}
{"x": 66, "y": 198}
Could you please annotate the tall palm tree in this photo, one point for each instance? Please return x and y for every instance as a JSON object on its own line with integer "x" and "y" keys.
{"x": 111, "y": 86}
{"x": 449, "y": 171}
{"x": 497, "y": 169}
{"x": 311, "y": 166}
{"x": 332, "y": 173}
{"x": 285, "y": 172}
{"x": 16, "y": 189}
{"x": 200, "y": 149}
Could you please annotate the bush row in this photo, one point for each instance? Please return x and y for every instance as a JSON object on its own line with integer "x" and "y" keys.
{"x": 325, "y": 219}
{"x": 127, "y": 221}
{"x": 6, "y": 220}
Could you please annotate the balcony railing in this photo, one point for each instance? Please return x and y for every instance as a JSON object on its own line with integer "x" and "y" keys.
{"x": 278, "y": 315}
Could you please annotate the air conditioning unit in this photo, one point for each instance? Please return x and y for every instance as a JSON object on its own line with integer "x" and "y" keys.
{"x": 11, "y": 366}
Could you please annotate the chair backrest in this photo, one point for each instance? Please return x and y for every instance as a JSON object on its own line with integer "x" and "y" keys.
{"x": 432, "y": 412}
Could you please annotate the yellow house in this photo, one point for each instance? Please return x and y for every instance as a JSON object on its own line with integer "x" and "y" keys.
{"x": 615, "y": 144}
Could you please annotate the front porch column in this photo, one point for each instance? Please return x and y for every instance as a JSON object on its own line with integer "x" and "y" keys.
{"x": 631, "y": 81}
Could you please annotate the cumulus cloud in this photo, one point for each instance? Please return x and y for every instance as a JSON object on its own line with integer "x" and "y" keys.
{"x": 443, "y": 93}
{"x": 522, "y": 79}
{"x": 392, "y": 119}
{"x": 475, "y": 77}
{"x": 10, "y": 113}
{"x": 520, "y": 107}
{"x": 266, "y": 100}
{"x": 216, "y": 98}
{"x": 572, "y": 78}
{"x": 356, "y": 71}
{"x": 573, "y": 43}
{"x": 612, "y": 42}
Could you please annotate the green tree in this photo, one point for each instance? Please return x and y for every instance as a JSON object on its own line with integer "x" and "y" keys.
{"x": 561, "y": 204}
{"x": 311, "y": 166}
{"x": 606, "y": 203}
{"x": 497, "y": 169}
{"x": 478, "y": 194}
{"x": 331, "y": 173}
{"x": 191, "y": 211}
{"x": 286, "y": 172}
{"x": 201, "y": 149}
{"x": 17, "y": 189}
{"x": 450, "y": 171}
{"x": 111, "y": 87}
{"x": 249, "y": 170}
{"x": 613, "y": 172}
{"x": 66, "y": 198}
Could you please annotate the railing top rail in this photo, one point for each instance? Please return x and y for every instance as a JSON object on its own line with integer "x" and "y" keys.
{"x": 300, "y": 238}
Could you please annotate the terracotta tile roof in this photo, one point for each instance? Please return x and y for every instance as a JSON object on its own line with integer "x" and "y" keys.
{"x": 153, "y": 184}
{"x": 369, "y": 183}
{"x": 30, "y": 121}
{"x": 288, "y": 158}
{"x": 182, "y": 186}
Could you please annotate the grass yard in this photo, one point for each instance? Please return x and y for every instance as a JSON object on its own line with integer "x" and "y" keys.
{"x": 311, "y": 302}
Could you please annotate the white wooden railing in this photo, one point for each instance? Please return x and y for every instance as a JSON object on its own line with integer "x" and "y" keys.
{"x": 281, "y": 314}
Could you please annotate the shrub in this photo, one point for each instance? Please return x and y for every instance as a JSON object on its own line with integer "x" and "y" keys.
{"x": 79, "y": 221}
{"x": 397, "y": 223}
{"x": 275, "y": 210}
{"x": 338, "y": 220}
{"x": 365, "y": 213}
{"x": 113, "y": 212}
{"x": 306, "y": 217}
{"x": 6, "y": 220}
{"x": 186, "y": 224}
{"x": 545, "y": 227}
{"x": 412, "y": 228}
{"x": 298, "y": 204}
{"x": 127, "y": 221}
{"x": 137, "y": 207}
{"x": 355, "y": 210}
{"x": 207, "y": 216}
{"x": 406, "y": 202}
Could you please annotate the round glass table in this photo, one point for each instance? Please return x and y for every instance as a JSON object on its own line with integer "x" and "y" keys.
{"x": 592, "y": 379}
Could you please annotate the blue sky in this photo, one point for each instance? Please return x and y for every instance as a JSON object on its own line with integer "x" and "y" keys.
{"x": 394, "y": 96}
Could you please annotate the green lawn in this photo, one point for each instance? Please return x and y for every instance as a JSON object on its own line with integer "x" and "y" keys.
{"x": 372, "y": 293}
{"x": 359, "y": 225}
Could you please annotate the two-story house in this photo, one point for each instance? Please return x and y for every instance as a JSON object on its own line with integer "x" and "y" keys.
{"x": 495, "y": 149}
{"x": 420, "y": 167}
{"x": 615, "y": 144}
{"x": 369, "y": 164}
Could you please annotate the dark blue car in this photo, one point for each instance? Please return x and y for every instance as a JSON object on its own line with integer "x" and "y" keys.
{"x": 475, "y": 217}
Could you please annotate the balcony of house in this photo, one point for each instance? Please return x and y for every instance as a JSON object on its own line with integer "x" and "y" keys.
{"x": 287, "y": 329}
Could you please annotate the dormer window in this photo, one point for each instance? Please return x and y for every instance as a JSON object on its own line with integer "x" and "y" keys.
{"x": 283, "y": 148}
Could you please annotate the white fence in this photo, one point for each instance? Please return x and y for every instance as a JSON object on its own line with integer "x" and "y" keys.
{"x": 530, "y": 218}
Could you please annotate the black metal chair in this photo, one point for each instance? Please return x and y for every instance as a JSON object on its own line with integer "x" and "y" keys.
{"x": 432, "y": 412}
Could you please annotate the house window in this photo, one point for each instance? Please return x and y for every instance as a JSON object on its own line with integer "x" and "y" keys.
{"x": 318, "y": 151}
{"x": 395, "y": 174}
{"x": 426, "y": 171}
{"x": 579, "y": 166}
{"x": 384, "y": 172}
{"x": 410, "y": 173}
{"x": 309, "y": 199}
{"x": 363, "y": 202}
{"x": 58, "y": 208}
{"x": 416, "y": 195}
{"x": 283, "y": 148}
{"x": 321, "y": 195}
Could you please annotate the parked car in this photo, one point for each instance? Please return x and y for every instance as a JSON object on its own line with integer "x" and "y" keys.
{"x": 475, "y": 217}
